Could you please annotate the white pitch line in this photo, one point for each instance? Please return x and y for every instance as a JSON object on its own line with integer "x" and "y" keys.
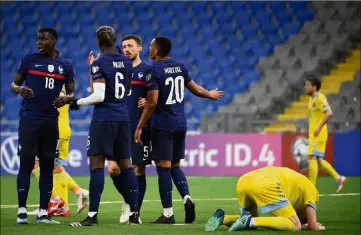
{"x": 178, "y": 200}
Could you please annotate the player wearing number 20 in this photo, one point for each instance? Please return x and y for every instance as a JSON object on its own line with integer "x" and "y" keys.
{"x": 44, "y": 73}
{"x": 109, "y": 133}
{"x": 165, "y": 97}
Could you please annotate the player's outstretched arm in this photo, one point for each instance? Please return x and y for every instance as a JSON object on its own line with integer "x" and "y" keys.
{"x": 201, "y": 92}
{"x": 96, "y": 97}
{"x": 152, "y": 99}
{"x": 22, "y": 90}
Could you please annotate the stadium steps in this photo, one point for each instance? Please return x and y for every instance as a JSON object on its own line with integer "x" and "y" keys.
{"x": 330, "y": 85}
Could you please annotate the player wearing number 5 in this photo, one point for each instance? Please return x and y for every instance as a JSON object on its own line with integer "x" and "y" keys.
{"x": 45, "y": 73}
{"x": 109, "y": 133}
{"x": 165, "y": 97}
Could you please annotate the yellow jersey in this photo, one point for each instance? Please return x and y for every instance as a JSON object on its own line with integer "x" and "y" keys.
{"x": 296, "y": 187}
{"x": 317, "y": 107}
{"x": 63, "y": 121}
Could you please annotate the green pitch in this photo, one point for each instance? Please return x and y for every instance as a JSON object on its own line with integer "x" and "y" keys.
{"x": 340, "y": 214}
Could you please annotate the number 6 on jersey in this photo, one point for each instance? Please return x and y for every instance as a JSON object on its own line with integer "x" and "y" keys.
{"x": 119, "y": 86}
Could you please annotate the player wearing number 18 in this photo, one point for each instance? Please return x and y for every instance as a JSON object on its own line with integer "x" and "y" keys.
{"x": 165, "y": 97}
{"x": 109, "y": 133}
{"x": 45, "y": 73}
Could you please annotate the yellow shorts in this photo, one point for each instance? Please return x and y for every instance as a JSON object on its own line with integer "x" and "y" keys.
{"x": 316, "y": 148}
{"x": 264, "y": 193}
{"x": 63, "y": 148}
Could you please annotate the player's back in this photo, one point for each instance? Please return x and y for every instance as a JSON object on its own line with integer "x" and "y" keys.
{"x": 116, "y": 70}
{"x": 138, "y": 90}
{"x": 46, "y": 78}
{"x": 171, "y": 76}
{"x": 317, "y": 106}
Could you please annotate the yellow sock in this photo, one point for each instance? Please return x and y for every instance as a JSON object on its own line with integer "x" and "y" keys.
{"x": 72, "y": 185}
{"x": 278, "y": 223}
{"x": 327, "y": 168}
{"x": 230, "y": 219}
{"x": 312, "y": 170}
{"x": 36, "y": 172}
{"x": 61, "y": 185}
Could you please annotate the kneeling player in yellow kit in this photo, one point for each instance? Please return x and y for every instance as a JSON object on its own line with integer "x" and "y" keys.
{"x": 286, "y": 194}
{"x": 319, "y": 113}
{"x": 58, "y": 205}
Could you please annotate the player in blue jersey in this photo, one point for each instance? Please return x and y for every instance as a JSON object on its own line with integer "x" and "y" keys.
{"x": 109, "y": 133}
{"x": 131, "y": 47}
{"x": 165, "y": 98}
{"x": 44, "y": 73}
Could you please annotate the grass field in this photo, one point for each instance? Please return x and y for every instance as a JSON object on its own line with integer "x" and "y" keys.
{"x": 339, "y": 213}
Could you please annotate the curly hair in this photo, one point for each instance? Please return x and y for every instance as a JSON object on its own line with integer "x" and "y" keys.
{"x": 106, "y": 36}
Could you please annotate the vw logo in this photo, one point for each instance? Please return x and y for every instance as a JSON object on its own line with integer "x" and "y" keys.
{"x": 10, "y": 160}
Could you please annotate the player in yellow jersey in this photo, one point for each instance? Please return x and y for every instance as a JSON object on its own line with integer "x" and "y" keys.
{"x": 319, "y": 113}
{"x": 284, "y": 193}
{"x": 63, "y": 182}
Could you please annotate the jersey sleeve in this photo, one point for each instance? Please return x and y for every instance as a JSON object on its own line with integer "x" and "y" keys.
{"x": 96, "y": 71}
{"x": 151, "y": 81}
{"x": 310, "y": 198}
{"x": 23, "y": 66}
{"x": 70, "y": 73}
{"x": 187, "y": 77}
{"x": 324, "y": 104}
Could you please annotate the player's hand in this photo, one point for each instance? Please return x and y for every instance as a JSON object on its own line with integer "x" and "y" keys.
{"x": 26, "y": 92}
{"x": 74, "y": 105}
{"x": 61, "y": 101}
{"x": 137, "y": 135}
{"x": 142, "y": 102}
{"x": 215, "y": 94}
{"x": 317, "y": 132}
{"x": 91, "y": 58}
{"x": 320, "y": 227}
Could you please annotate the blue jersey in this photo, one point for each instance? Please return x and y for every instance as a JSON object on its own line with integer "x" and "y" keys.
{"x": 139, "y": 89}
{"x": 169, "y": 77}
{"x": 116, "y": 69}
{"x": 46, "y": 78}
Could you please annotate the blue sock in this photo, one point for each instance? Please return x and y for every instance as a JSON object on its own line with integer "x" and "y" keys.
{"x": 131, "y": 187}
{"x": 165, "y": 186}
{"x": 119, "y": 183}
{"x": 23, "y": 179}
{"x": 142, "y": 184}
{"x": 46, "y": 181}
{"x": 180, "y": 181}
{"x": 96, "y": 187}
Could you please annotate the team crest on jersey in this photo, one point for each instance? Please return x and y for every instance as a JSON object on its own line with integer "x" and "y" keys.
{"x": 314, "y": 105}
{"x": 95, "y": 69}
{"x": 51, "y": 68}
{"x": 61, "y": 70}
{"x": 148, "y": 77}
{"x": 140, "y": 75}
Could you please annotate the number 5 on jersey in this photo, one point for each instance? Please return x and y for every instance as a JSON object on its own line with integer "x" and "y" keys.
{"x": 176, "y": 88}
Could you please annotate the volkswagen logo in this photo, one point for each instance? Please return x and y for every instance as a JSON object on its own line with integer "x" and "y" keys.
{"x": 10, "y": 160}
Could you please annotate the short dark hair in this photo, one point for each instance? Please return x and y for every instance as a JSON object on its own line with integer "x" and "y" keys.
{"x": 51, "y": 31}
{"x": 136, "y": 38}
{"x": 106, "y": 36}
{"x": 315, "y": 82}
{"x": 164, "y": 46}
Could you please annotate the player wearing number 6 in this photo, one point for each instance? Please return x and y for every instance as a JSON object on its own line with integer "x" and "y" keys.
{"x": 45, "y": 74}
{"x": 109, "y": 133}
{"x": 165, "y": 97}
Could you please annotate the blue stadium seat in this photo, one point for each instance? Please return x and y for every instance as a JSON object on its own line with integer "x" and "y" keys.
{"x": 276, "y": 39}
{"x": 305, "y": 15}
{"x": 269, "y": 29}
{"x": 198, "y": 6}
{"x": 250, "y": 30}
{"x": 257, "y": 5}
{"x": 236, "y": 5}
{"x": 159, "y": 7}
{"x": 298, "y": 5}
{"x": 290, "y": 28}
{"x": 64, "y": 6}
{"x": 243, "y": 17}
{"x": 276, "y": 6}
{"x": 284, "y": 16}
{"x": 263, "y": 17}
{"x": 178, "y": 7}
{"x": 27, "y": 8}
